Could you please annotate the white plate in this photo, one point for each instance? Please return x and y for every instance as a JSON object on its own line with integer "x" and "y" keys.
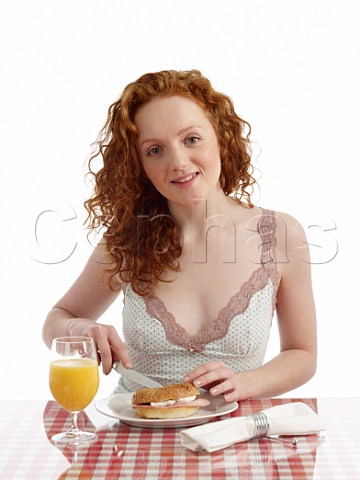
{"x": 119, "y": 406}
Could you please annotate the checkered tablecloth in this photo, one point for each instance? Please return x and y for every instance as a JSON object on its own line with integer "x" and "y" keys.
{"x": 127, "y": 452}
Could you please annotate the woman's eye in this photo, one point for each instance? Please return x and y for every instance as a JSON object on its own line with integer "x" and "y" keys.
{"x": 153, "y": 151}
{"x": 193, "y": 139}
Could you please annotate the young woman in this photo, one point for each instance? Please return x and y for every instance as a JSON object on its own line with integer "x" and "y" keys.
{"x": 201, "y": 268}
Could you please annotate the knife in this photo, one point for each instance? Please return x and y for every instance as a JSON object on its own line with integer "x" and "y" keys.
{"x": 135, "y": 376}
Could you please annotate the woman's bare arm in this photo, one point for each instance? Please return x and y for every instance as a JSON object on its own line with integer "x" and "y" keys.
{"x": 296, "y": 362}
{"x": 77, "y": 312}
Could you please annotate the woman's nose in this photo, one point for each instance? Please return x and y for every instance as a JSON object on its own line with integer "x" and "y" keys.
{"x": 179, "y": 158}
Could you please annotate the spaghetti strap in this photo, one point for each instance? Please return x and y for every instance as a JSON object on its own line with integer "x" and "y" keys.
{"x": 267, "y": 228}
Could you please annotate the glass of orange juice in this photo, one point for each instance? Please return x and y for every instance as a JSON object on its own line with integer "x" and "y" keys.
{"x": 74, "y": 381}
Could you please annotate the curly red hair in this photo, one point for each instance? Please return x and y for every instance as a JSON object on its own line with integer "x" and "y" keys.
{"x": 141, "y": 237}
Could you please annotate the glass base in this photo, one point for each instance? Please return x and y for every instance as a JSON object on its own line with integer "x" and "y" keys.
{"x": 74, "y": 438}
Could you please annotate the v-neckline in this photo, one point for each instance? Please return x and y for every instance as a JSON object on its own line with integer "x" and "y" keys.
{"x": 237, "y": 304}
{"x": 218, "y": 327}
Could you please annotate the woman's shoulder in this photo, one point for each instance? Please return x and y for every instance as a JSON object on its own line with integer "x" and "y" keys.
{"x": 287, "y": 230}
{"x": 288, "y": 224}
{"x": 281, "y": 218}
{"x": 291, "y": 241}
{"x": 284, "y": 226}
{"x": 255, "y": 214}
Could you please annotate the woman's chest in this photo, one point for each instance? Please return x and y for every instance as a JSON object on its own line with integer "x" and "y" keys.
{"x": 241, "y": 326}
{"x": 207, "y": 281}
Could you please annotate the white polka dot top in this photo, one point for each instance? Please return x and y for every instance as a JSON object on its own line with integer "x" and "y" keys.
{"x": 162, "y": 350}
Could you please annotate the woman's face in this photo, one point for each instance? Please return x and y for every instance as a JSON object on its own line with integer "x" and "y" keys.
{"x": 178, "y": 149}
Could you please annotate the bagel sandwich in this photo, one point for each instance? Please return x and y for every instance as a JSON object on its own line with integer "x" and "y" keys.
{"x": 178, "y": 400}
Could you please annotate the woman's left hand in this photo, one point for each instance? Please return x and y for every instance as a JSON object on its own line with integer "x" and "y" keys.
{"x": 219, "y": 379}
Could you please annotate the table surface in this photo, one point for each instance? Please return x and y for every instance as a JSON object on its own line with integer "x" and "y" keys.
{"x": 127, "y": 452}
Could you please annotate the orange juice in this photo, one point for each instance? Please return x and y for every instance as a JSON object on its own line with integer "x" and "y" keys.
{"x": 74, "y": 382}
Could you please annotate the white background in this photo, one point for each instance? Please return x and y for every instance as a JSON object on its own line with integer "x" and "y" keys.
{"x": 292, "y": 71}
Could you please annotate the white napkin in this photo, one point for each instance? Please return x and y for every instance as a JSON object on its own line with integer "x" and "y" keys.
{"x": 288, "y": 419}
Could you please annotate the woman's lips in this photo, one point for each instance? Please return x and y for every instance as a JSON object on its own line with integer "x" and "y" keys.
{"x": 185, "y": 180}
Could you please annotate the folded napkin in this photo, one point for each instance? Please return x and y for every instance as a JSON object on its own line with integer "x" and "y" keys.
{"x": 288, "y": 419}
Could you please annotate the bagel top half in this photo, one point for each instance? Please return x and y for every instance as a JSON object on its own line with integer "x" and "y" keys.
{"x": 162, "y": 394}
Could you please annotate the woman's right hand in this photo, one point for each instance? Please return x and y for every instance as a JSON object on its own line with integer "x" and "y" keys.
{"x": 109, "y": 345}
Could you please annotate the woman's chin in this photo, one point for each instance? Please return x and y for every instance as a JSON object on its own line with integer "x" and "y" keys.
{"x": 190, "y": 202}
{"x": 197, "y": 201}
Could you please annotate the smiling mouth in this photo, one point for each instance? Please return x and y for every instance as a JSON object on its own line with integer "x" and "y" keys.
{"x": 188, "y": 178}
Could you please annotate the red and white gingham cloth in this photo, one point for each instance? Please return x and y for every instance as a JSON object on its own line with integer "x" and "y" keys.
{"x": 295, "y": 419}
{"x": 127, "y": 452}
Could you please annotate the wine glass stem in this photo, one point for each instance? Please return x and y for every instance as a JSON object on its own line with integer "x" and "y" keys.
{"x": 74, "y": 428}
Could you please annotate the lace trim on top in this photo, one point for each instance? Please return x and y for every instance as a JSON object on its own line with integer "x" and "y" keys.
{"x": 238, "y": 303}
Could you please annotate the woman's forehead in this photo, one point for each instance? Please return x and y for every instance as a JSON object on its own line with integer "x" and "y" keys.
{"x": 177, "y": 110}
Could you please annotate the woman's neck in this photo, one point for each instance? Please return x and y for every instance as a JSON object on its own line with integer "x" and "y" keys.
{"x": 197, "y": 219}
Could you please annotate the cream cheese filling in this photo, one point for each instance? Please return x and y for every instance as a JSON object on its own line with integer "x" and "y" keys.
{"x": 169, "y": 403}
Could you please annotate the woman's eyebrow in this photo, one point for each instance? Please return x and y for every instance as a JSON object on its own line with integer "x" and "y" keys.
{"x": 180, "y": 132}
{"x": 148, "y": 140}
{"x": 190, "y": 127}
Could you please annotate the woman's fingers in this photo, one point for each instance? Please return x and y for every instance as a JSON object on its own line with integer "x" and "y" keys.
{"x": 208, "y": 374}
{"x": 109, "y": 345}
{"x": 230, "y": 389}
{"x": 119, "y": 351}
{"x": 207, "y": 380}
{"x": 218, "y": 379}
{"x": 197, "y": 376}
{"x": 105, "y": 353}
